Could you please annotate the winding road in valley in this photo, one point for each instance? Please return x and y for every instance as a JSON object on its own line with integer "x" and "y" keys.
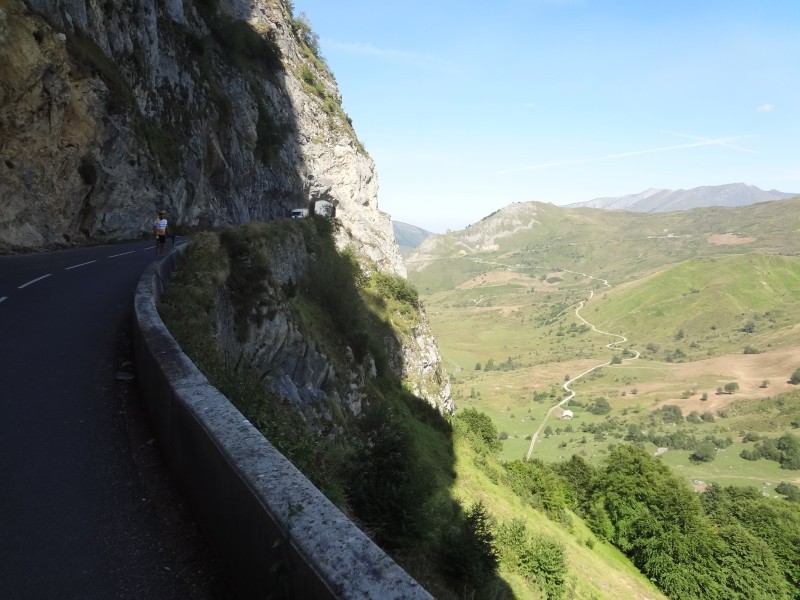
{"x": 621, "y": 339}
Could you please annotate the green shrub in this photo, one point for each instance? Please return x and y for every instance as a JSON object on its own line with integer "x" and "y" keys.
{"x": 539, "y": 559}
{"x": 705, "y": 452}
{"x": 789, "y": 490}
{"x": 249, "y": 274}
{"x": 467, "y": 548}
{"x": 302, "y": 27}
{"x": 479, "y": 428}
{"x": 540, "y": 486}
{"x": 386, "y": 488}
{"x": 314, "y": 85}
{"x": 396, "y": 287}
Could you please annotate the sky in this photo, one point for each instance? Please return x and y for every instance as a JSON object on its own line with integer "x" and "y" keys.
{"x": 469, "y": 106}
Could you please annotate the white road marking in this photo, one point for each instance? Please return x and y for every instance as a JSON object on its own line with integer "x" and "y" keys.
{"x": 80, "y": 265}
{"x": 123, "y": 254}
{"x": 3, "y": 298}
{"x": 32, "y": 281}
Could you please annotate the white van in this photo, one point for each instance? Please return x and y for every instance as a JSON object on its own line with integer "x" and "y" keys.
{"x": 299, "y": 213}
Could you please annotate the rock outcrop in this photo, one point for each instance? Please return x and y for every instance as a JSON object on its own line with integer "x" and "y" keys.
{"x": 220, "y": 115}
{"x": 219, "y": 112}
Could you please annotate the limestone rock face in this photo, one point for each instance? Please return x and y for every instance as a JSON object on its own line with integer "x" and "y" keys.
{"x": 110, "y": 110}
{"x": 293, "y": 364}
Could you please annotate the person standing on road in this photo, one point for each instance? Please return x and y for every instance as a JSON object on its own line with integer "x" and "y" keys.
{"x": 160, "y": 230}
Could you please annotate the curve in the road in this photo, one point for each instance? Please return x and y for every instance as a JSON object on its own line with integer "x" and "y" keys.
{"x": 570, "y": 393}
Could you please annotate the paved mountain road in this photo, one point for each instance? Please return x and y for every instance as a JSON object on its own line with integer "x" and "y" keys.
{"x": 86, "y": 508}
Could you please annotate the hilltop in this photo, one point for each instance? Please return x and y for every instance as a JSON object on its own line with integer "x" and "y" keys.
{"x": 657, "y": 200}
{"x": 707, "y": 297}
{"x": 408, "y": 236}
{"x": 617, "y": 245}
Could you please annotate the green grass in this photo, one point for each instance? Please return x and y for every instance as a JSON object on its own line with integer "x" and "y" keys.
{"x": 711, "y": 300}
{"x": 595, "y": 569}
{"x": 728, "y": 468}
{"x": 431, "y": 473}
{"x": 667, "y": 274}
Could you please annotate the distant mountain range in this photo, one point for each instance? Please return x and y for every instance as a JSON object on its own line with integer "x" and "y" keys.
{"x": 655, "y": 200}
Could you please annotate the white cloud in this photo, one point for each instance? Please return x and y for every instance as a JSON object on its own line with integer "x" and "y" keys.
{"x": 766, "y": 108}
{"x": 700, "y": 142}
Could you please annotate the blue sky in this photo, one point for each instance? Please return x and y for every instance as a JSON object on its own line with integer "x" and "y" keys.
{"x": 469, "y": 106}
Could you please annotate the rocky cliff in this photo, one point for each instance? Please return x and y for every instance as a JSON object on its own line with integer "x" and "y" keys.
{"x": 216, "y": 111}
{"x": 222, "y": 113}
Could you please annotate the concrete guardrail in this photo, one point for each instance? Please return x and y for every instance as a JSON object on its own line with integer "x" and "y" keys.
{"x": 276, "y": 533}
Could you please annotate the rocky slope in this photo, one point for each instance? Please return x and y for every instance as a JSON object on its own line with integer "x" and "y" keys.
{"x": 219, "y": 112}
{"x": 220, "y": 115}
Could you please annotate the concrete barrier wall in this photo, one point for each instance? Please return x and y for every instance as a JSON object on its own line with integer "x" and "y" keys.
{"x": 277, "y": 534}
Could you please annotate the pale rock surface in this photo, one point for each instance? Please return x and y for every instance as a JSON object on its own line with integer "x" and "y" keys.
{"x": 111, "y": 110}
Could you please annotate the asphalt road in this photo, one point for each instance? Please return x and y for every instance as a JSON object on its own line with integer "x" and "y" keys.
{"x": 86, "y": 508}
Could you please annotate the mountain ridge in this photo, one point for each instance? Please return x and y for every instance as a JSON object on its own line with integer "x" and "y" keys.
{"x": 664, "y": 200}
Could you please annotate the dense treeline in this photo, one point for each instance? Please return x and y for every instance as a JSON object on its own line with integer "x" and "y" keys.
{"x": 727, "y": 543}
{"x": 784, "y": 450}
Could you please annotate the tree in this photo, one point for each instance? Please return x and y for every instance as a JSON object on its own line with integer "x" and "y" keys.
{"x": 731, "y": 387}
{"x": 795, "y": 378}
{"x": 540, "y": 559}
{"x": 477, "y": 366}
{"x": 659, "y": 523}
{"x": 776, "y": 522}
{"x": 468, "y": 548}
{"x": 480, "y": 428}
{"x": 789, "y": 490}
{"x": 705, "y": 452}
{"x": 600, "y": 406}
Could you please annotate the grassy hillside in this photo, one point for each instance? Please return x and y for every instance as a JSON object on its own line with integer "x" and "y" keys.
{"x": 619, "y": 246}
{"x": 408, "y": 236}
{"x": 671, "y": 340}
{"x": 707, "y": 297}
{"x": 437, "y": 498}
{"x": 707, "y": 306}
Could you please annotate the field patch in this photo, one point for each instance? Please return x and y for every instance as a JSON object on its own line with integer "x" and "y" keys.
{"x": 728, "y": 239}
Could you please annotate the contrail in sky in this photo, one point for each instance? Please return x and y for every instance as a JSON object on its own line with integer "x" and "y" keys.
{"x": 701, "y": 141}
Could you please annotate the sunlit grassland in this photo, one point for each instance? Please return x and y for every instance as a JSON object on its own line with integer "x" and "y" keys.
{"x": 728, "y": 468}
{"x": 705, "y": 307}
{"x": 596, "y": 569}
{"x": 529, "y": 325}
